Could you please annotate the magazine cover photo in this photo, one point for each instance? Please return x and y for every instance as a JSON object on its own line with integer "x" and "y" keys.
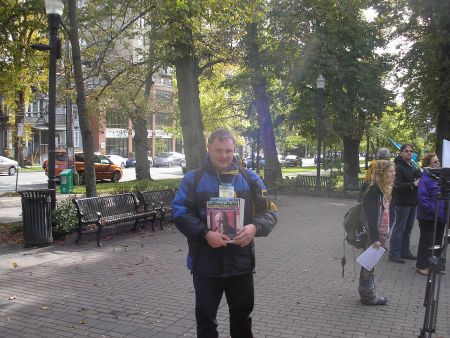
{"x": 224, "y": 221}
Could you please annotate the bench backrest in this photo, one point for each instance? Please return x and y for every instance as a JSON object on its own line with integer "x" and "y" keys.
{"x": 309, "y": 181}
{"x": 156, "y": 197}
{"x": 110, "y": 205}
{"x": 353, "y": 183}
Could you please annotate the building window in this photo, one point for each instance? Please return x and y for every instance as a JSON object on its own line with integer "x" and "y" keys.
{"x": 163, "y": 120}
{"x": 164, "y": 95}
{"x": 76, "y": 139}
{"x": 117, "y": 146}
{"x": 116, "y": 120}
{"x": 44, "y": 137}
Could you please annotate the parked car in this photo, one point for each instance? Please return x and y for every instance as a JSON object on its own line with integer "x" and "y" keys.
{"x": 255, "y": 159}
{"x": 293, "y": 161}
{"x": 131, "y": 162}
{"x": 168, "y": 159}
{"x": 262, "y": 162}
{"x": 104, "y": 168}
{"x": 8, "y": 166}
{"x": 117, "y": 160}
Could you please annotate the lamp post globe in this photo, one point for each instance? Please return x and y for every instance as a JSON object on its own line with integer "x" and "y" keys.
{"x": 54, "y": 7}
{"x": 320, "y": 83}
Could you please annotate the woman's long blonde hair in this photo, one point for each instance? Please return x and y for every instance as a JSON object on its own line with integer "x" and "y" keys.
{"x": 379, "y": 177}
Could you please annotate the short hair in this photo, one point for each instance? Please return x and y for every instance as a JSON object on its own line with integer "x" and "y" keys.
{"x": 221, "y": 134}
{"x": 404, "y": 146}
{"x": 383, "y": 154}
{"x": 426, "y": 161}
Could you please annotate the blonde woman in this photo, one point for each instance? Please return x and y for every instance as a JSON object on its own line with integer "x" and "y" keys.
{"x": 376, "y": 202}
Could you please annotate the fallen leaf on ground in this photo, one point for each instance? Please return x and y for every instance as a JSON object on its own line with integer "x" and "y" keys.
{"x": 14, "y": 264}
{"x": 82, "y": 322}
{"x": 44, "y": 307}
{"x": 12, "y": 297}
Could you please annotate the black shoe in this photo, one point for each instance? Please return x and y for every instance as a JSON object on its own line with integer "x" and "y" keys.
{"x": 410, "y": 257}
{"x": 378, "y": 301}
{"x": 396, "y": 260}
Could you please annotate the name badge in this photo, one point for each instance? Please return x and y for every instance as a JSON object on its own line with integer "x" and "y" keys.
{"x": 226, "y": 191}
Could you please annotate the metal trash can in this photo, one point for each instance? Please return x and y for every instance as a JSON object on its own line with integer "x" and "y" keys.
{"x": 66, "y": 181}
{"x": 36, "y": 216}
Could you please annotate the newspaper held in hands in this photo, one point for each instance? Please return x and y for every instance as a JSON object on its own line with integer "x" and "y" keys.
{"x": 369, "y": 258}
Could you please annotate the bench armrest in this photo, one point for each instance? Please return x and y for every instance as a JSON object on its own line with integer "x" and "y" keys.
{"x": 83, "y": 217}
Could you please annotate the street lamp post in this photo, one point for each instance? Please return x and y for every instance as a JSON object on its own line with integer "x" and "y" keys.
{"x": 54, "y": 10}
{"x": 320, "y": 83}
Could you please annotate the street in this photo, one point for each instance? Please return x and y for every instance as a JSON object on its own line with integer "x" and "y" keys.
{"x": 38, "y": 180}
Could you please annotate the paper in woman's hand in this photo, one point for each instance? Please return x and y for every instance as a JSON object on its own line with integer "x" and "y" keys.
{"x": 369, "y": 258}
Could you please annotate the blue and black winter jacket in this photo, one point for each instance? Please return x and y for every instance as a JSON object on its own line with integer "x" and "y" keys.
{"x": 189, "y": 212}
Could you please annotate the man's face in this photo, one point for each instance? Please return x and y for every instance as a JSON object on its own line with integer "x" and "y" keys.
{"x": 221, "y": 154}
{"x": 407, "y": 154}
{"x": 220, "y": 219}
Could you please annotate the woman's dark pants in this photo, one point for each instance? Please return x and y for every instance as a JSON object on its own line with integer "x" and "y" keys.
{"x": 240, "y": 297}
{"x": 426, "y": 242}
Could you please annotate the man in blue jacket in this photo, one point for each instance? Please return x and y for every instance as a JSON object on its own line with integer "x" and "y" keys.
{"x": 217, "y": 265}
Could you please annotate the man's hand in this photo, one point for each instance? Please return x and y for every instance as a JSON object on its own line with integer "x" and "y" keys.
{"x": 245, "y": 235}
{"x": 416, "y": 182}
{"x": 216, "y": 239}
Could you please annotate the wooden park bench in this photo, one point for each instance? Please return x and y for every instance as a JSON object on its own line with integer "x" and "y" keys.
{"x": 308, "y": 182}
{"x": 354, "y": 187}
{"x": 157, "y": 201}
{"x": 107, "y": 210}
{"x": 353, "y": 183}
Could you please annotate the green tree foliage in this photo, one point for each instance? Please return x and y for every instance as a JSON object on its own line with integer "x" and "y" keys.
{"x": 425, "y": 27}
{"x": 335, "y": 40}
{"x": 221, "y": 105}
{"x": 22, "y": 69}
{"x": 202, "y": 34}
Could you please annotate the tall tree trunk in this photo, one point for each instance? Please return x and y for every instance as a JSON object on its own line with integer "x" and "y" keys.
{"x": 140, "y": 129}
{"x": 351, "y": 156}
{"x": 141, "y": 147}
{"x": 189, "y": 105}
{"x": 262, "y": 102}
{"x": 86, "y": 131}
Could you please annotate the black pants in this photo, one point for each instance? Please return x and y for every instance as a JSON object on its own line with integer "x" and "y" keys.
{"x": 426, "y": 242}
{"x": 240, "y": 297}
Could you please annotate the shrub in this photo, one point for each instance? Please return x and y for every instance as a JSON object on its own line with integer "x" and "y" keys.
{"x": 65, "y": 217}
{"x": 16, "y": 227}
{"x": 145, "y": 185}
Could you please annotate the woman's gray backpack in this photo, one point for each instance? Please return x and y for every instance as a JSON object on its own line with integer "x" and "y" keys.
{"x": 356, "y": 233}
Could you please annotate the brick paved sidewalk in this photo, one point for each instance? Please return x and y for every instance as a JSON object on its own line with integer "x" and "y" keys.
{"x": 137, "y": 285}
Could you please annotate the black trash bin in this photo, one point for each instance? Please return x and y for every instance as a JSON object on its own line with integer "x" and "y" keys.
{"x": 36, "y": 215}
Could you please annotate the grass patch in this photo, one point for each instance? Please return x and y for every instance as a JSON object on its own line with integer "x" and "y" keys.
{"x": 130, "y": 186}
{"x": 30, "y": 169}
